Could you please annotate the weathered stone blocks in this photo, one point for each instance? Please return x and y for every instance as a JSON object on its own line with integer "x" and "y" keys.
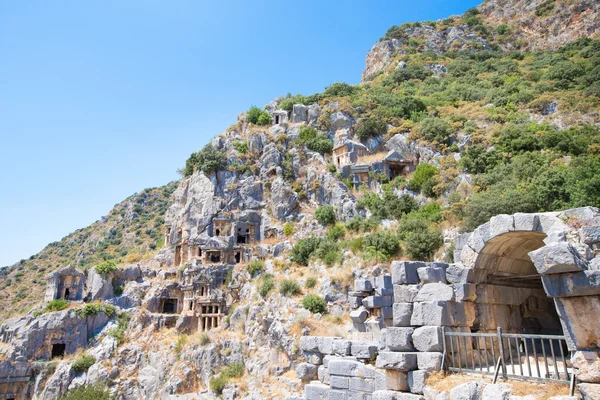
{"x": 416, "y": 381}
{"x": 392, "y": 395}
{"x": 431, "y": 361}
{"x": 405, "y": 272}
{"x": 456, "y": 273}
{"x": 363, "y": 285}
{"x": 402, "y": 313}
{"x": 399, "y": 339}
{"x": 587, "y": 366}
{"x": 428, "y": 338}
{"x": 466, "y": 391}
{"x": 377, "y": 301}
{"x": 405, "y": 293}
{"x": 435, "y": 292}
{"x": 306, "y": 372}
{"x": 464, "y": 292}
{"x": 359, "y": 315}
{"x": 430, "y": 274}
{"x": 431, "y": 313}
{"x": 397, "y": 361}
{"x": 396, "y": 380}
{"x": 557, "y": 258}
{"x": 498, "y": 391}
{"x": 316, "y": 391}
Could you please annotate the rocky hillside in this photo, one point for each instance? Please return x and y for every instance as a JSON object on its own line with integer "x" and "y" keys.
{"x": 130, "y": 232}
{"x": 536, "y": 25}
{"x": 456, "y": 121}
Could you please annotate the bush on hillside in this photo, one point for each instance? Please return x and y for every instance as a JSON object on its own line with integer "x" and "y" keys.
{"x": 422, "y": 244}
{"x": 257, "y": 116}
{"x": 83, "y": 363}
{"x": 289, "y": 287}
{"x": 207, "y": 160}
{"x": 435, "y": 130}
{"x": 370, "y": 127}
{"x": 382, "y": 245}
{"x": 325, "y": 215}
{"x": 256, "y": 267}
{"x": 314, "y": 303}
{"x": 423, "y": 173}
{"x": 88, "y": 392}
{"x": 106, "y": 267}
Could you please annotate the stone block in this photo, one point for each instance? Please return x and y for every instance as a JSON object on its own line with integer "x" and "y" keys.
{"x": 359, "y": 315}
{"x": 342, "y": 347}
{"x": 589, "y": 234}
{"x": 587, "y": 366}
{"x": 526, "y": 222}
{"x": 374, "y": 325}
{"x": 339, "y": 382}
{"x": 387, "y": 312}
{"x": 365, "y": 385}
{"x": 497, "y": 294}
{"x": 492, "y": 316}
{"x": 456, "y": 273}
{"x": 383, "y": 282}
{"x": 464, "y": 291}
{"x": 402, "y": 313}
{"x": 498, "y": 391}
{"x": 323, "y": 374}
{"x": 501, "y": 224}
{"x": 310, "y": 343}
{"x": 384, "y": 291}
{"x": 405, "y": 272}
{"x": 416, "y": 381}
{"x": 343, "y": 367}
{"x": 405, "y": 293}
{"x": 363, "y": 350}
{"x": 461, "y": 240}
{"x": 399, "y": 339}
{"x": 557, "y": 258}
{"x": 316, "y": 391}
{"x": 359, "y": 327}
{"x": 396, "y": 380}
{"x": 337, "y": 395}
{"x": 428, "y": 338}
{"x": 354, "y": 301}
{"x": 431, "y": 274}
{"x": 589, "y": 391}
{"x": 314, "y": 358}
{"x": 397, "y": 361}
{"x": 431, "y": 361}
{"x": 433, "y": 313}
{"x": 463, "y": 314}
{"x": 479, "y": 237}
{"x": 326, "y": 344}
{"x": 393, "y": 395}
{"x": 466, "y": 391}
{"x": 435, "y": 292}
{"x": 377, "y": 301}
{"x": 306, "y": 372}
{"x": 363, "y": 285}
{"x": 468, "y": 256}
{"x": 586, "y": 283}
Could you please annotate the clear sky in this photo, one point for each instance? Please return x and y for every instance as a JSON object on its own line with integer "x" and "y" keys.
{"x": 100, "y": 99}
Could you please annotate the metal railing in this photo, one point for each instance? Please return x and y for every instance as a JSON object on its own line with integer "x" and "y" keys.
{"x": 513, "y": 355}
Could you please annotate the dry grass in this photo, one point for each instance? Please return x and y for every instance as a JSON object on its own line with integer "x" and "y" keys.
{"x": 271, "y": 240}
{"x": 444, "y": 382}
{"x": 370, "y": 158}
{"x": 324, "y": 327}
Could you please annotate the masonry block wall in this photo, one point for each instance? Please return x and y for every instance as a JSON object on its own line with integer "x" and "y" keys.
{"x": 527, "y": 273}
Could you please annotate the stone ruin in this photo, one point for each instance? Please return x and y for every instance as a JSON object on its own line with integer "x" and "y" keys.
{"x": 67, "y": 283}
{"x": 524, "y": 273}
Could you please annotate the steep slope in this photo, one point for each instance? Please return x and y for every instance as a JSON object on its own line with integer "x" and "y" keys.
{"x": 494, "y": 25}
{"x": 131, "y": 231}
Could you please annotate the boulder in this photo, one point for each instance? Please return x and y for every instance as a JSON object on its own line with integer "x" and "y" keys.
{"x": 466, "y": 391}
{"x": 557, "y": 258}
{"x": 428, "y": 338}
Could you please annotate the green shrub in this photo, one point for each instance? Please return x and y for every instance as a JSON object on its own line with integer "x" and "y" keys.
{"x": 181, "y": 341}
{"x": 477, "y": 159}
{"x": 106, "y": 267}
{"x": 266, "y": 286}
{"x": 218, "y": 383}
{"x": 92, "y": 309}
{"x": 311, "y": 282}
{"x": 257, "y": 116}
{"x": 322, "y": 144}
{"x": 435, "y": 130}
{"x": 356, "y": 245}
{"x": 204, "y": 339}
{"x": 288, "y": 229}
{"x": 56, "y": 305}
{"x": 383, "y": 245}
{"x": 314, "y": 303}
{"x": 422, "y": 174}
{"x": 370, "y": 127}
{"x": 389, "y": 205}
{"x": 302, "y": 251}
{"x": 336, "y": 232}
{"x": 241, "y": 146}
{"x": 207, "y": 160}
{"x": 340, "y": 89}
{"x": 234, "y": 370}
{"x": 88, "y": 392}
{"x": 118, "y": 290}
{"x": 83, "y": 363}
{"x": 421, "y": 245}
{"x": 289, "y": 288}
{"x": 411, "y": 224}
{"x": 288, "y": 104}
{"x": 118, "y": 333}
{"x": 362, "y": 224}
{"x": 256, "y": 267}
{"x": 325, "y": 215}
{"x": 306, "y": 134}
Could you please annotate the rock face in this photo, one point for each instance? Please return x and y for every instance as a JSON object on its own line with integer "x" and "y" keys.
{"x": 534, "y": 25}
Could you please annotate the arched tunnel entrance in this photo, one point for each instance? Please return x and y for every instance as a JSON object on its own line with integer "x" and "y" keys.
{"x": 510, "y": 291}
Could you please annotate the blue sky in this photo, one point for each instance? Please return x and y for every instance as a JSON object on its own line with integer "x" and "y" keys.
{"x": 101, "y": 99}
